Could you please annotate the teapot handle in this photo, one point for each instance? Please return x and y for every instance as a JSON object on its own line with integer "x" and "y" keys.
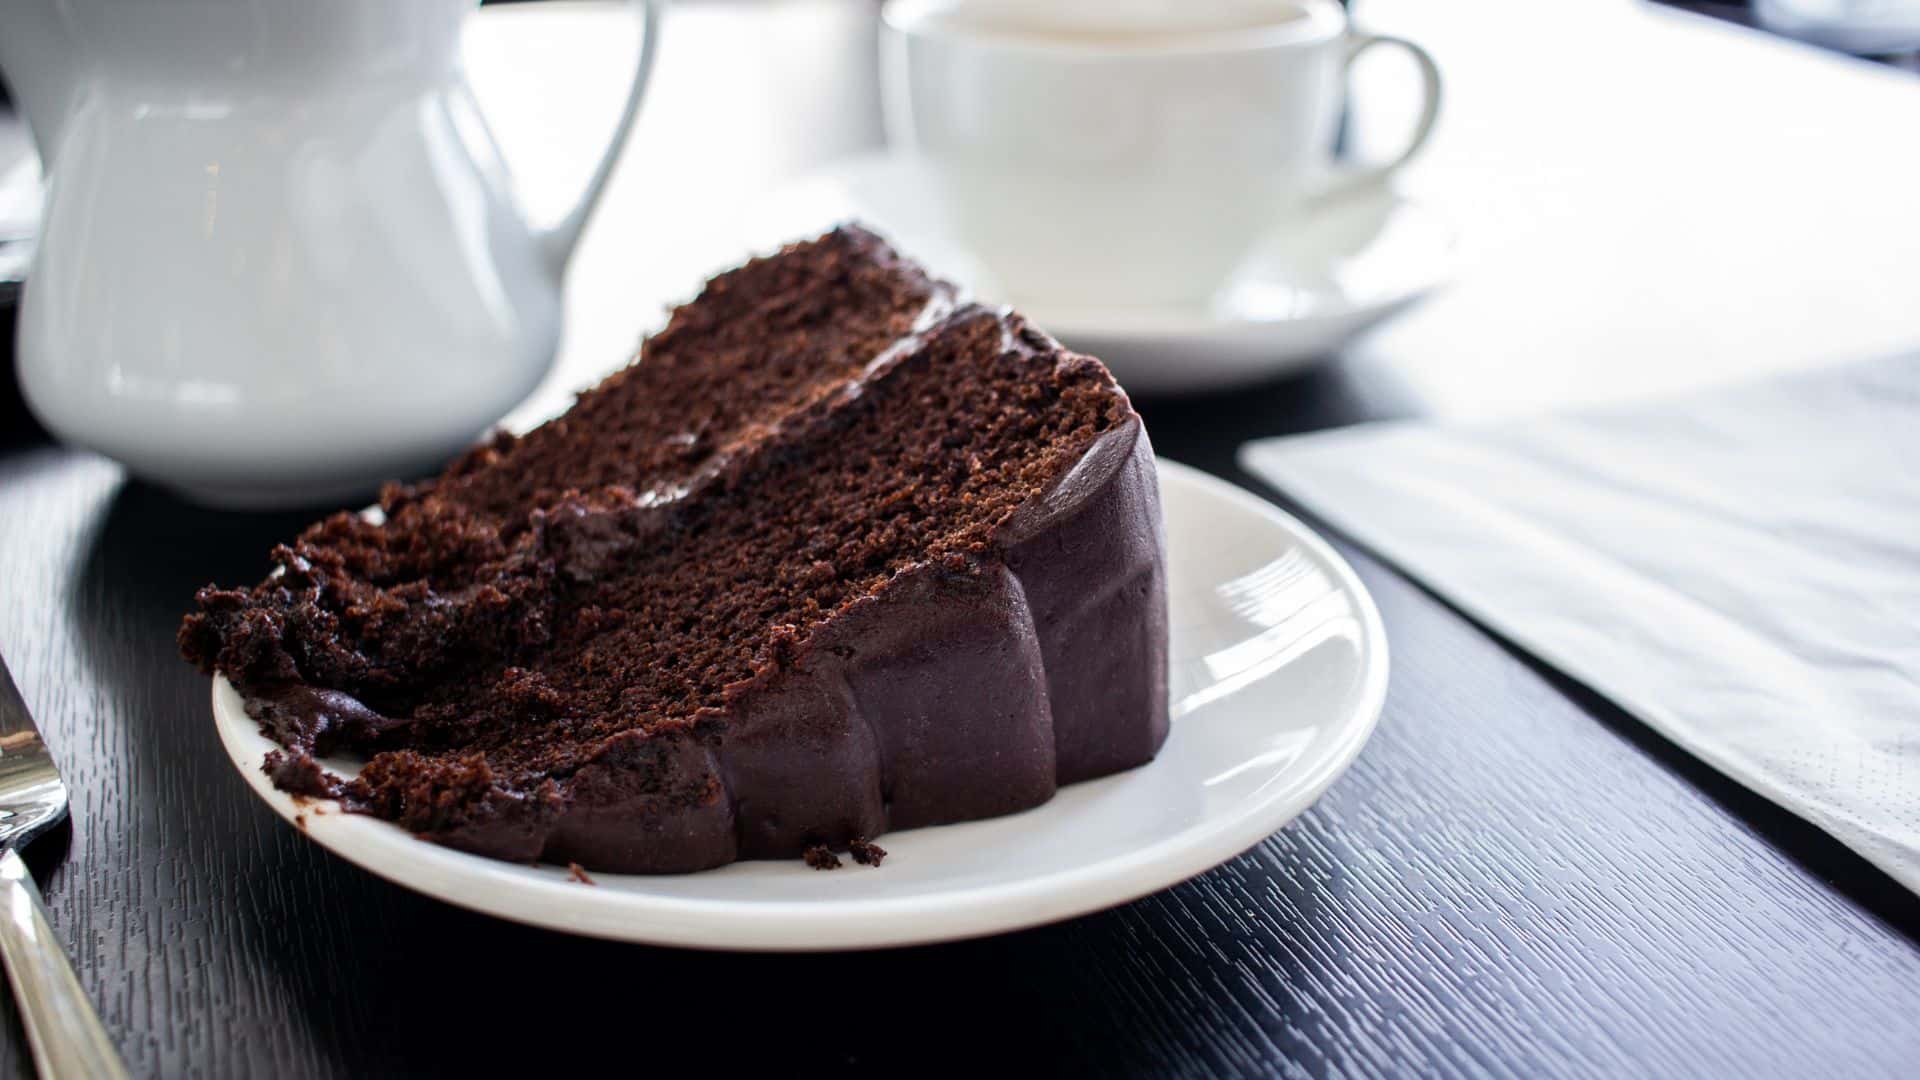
{"x": 560, "y": 240}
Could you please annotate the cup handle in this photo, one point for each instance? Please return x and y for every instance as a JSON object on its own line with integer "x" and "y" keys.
{"x": 1359, "y": 42}
{"x": 559, "y": 240}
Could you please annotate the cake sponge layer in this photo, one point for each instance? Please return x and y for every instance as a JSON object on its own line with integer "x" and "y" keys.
{"x": 836, "y": 555}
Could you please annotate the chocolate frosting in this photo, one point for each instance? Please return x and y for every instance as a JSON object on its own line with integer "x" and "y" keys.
{"x": 965, "y": 686}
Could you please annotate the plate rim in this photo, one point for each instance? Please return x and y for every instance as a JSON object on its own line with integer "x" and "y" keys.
{"x": 544, "y": 896}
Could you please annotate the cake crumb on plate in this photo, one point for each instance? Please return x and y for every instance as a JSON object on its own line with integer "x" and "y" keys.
{"x": 866, "y": 852}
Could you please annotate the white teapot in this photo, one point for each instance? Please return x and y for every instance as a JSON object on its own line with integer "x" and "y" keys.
{"x": 279, "y": 259}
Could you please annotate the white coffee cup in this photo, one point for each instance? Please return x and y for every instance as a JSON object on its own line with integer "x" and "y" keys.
{"x": 1101, "y": 153}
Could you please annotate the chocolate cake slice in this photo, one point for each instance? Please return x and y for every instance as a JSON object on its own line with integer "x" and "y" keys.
{"x": 838, "y": 554}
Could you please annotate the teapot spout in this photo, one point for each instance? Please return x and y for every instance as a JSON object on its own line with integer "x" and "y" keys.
{"x": 42, "y": 67}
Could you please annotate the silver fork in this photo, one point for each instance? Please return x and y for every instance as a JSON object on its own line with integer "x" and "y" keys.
{"x": 62, "y": 1029}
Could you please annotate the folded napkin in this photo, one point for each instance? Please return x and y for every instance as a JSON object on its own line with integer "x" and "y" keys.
{"x": 1739, "y": 569}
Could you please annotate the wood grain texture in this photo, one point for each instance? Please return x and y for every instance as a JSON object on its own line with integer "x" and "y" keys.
{"x": 1512, "y": 881}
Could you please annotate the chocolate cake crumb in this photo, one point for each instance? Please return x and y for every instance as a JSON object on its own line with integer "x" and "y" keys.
{"x": 821, "y": 857}
{"x": 831, "y": 508}
{"x": 300, "y": 822}
{"x": 299, "y": 775}
{"x": 579, "y": 874}
{"x": 866, "y": 852}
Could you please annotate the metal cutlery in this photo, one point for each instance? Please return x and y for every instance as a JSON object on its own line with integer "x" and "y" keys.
{"x": 62, "y": 1028}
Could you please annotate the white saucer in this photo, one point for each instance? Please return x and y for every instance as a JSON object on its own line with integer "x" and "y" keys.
{"x": 1313, "y": 285}
{"x": 1279, "y": 669}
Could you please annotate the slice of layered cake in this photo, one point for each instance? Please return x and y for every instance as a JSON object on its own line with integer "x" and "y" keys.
{"x": 836, "y": 555}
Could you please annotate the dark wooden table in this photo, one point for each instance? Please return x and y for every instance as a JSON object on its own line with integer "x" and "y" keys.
{"x": 1514, "y": 880}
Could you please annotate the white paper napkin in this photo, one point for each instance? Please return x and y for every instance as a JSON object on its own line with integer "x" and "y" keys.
{"x": 1739, "y": 569}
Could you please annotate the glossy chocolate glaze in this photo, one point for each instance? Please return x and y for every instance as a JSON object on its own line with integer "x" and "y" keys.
{"x": 946, "y": 696}
{"x": 961, "y": 688}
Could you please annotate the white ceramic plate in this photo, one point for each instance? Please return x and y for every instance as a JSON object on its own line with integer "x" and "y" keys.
{"x": 1279, "y": 667}
{"x": 1313, "y": 284}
